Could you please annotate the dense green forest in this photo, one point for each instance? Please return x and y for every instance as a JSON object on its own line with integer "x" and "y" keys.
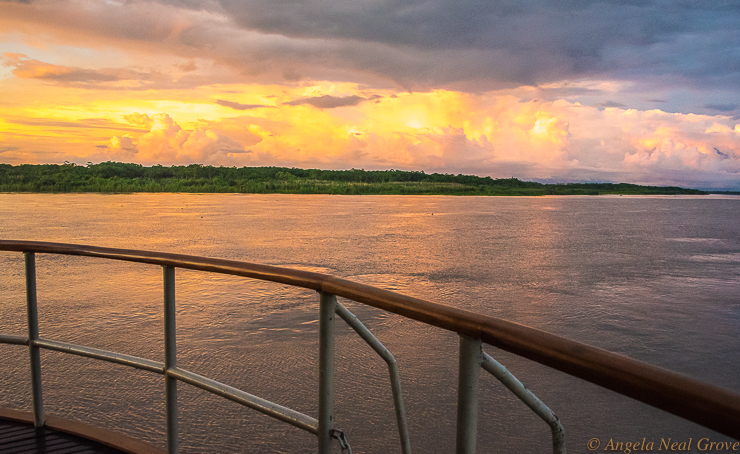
{"x": 116, "y": 177}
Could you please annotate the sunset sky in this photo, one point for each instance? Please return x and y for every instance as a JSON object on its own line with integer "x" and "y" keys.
{"x": 643, "y": 92}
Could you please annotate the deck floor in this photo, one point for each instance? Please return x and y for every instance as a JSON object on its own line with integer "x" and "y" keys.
{"x": 22, "y": 438}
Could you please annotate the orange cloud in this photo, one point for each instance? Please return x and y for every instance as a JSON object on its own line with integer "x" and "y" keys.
{"x": 26, "y": 68}
{"x": 32, "y": 69}
{"x": 167, "y": 142}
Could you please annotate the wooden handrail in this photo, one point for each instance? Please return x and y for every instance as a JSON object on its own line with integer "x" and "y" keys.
{"x": 696, "y": 401}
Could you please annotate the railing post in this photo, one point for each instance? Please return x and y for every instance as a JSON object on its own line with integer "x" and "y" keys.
{"x": 327, "y": 307}
{"x": 395, "y": 376}
{"x": 471, "y": 357}
{"x": 525, "y": 395}
{"x": 170, "y": 358}
{"x": 33, "y": 335}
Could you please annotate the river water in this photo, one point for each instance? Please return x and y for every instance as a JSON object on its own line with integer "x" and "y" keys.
{"x": 653, "y": 278}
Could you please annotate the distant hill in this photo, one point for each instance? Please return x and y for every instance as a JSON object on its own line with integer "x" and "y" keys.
{"x": 117, "y": 177}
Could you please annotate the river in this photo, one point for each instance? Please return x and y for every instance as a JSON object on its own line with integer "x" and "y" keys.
{"x": 653, "y": 278}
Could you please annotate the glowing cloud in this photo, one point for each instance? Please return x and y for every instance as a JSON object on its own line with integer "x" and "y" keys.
{"x": 168, "y": 142}
{"x": 448, "y": 131}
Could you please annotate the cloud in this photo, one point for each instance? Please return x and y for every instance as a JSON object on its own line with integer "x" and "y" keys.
{"x": 85, "y": 123}
{"x": 611, "y": 104}
{"x": 492, "y": 133}
{"x": 138, "y": 119}
{"x": 239, "y": 106}
{"x": 26, "y": 68}
{"x": 38, "y": 70}
{"x": 327, "y": 101}
{"x": 517, "y": 42}
{"x": 423, "y": 44}
{"x": 722, "y": 107}
{"x": 104, "y": 78}
{"x": 122, "y": 147}
{"x": 503, "y": 136}
{"x": 187, "y": 66}
{"x": 167, "y": 143}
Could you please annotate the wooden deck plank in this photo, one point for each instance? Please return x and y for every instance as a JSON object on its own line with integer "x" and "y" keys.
{"x": 22, "y": 438}
{"x": 61, "y": 436}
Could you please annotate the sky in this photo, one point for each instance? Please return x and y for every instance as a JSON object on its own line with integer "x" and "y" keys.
{"x": 636, "y": 91}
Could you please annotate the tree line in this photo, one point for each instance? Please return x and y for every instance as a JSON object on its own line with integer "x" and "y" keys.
{"x": 119, "y": 177}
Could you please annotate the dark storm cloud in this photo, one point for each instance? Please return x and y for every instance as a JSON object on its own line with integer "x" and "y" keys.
{"x": 239, "y": 106}
{"x": 443, "y": 41}
{"x": 423, "y": 44}
{"x": 327, "y": 101}
{"x": 722, "y": 107}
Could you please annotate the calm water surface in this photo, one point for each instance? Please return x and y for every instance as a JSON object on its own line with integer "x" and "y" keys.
{"x": 653, "y": 278}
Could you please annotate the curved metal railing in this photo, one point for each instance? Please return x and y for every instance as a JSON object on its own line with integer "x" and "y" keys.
{"x": 707, "y": 405}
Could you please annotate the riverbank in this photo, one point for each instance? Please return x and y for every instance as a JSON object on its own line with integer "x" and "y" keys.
{"x": 114, "y": 177}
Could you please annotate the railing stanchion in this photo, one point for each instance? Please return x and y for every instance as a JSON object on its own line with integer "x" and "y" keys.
{"x": 380, "y": 349}
{"x": 471, "y": 356}
{"x": 170, "y": 358}
{"x": 33, "y": 336}
{"x": 327, "y": 307}
{"x": 525, "y": 395}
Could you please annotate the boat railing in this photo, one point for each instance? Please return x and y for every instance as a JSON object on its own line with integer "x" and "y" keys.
{"x": 715, "y": 408}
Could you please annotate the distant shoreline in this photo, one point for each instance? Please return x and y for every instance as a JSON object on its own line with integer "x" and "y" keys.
{"x": 114, "y": 177}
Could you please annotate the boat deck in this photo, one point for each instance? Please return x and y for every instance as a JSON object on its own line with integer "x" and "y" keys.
{"x": 22, "y": 438}
{"x": 62, "y": 436}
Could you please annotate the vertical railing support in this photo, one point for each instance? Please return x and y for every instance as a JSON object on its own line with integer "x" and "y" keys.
{"x": 395, "y": 376}
{"x": 471, "y": 357}
{"x": 401, "y": 421}
{"x": 525, "y": 395}
{"x": 33, "y": 336}
{"x": 328, "y": 303}
{"x": 170, "y": 358}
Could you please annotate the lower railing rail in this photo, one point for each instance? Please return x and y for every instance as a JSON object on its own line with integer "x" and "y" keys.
{"x": 713, "y": 407}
